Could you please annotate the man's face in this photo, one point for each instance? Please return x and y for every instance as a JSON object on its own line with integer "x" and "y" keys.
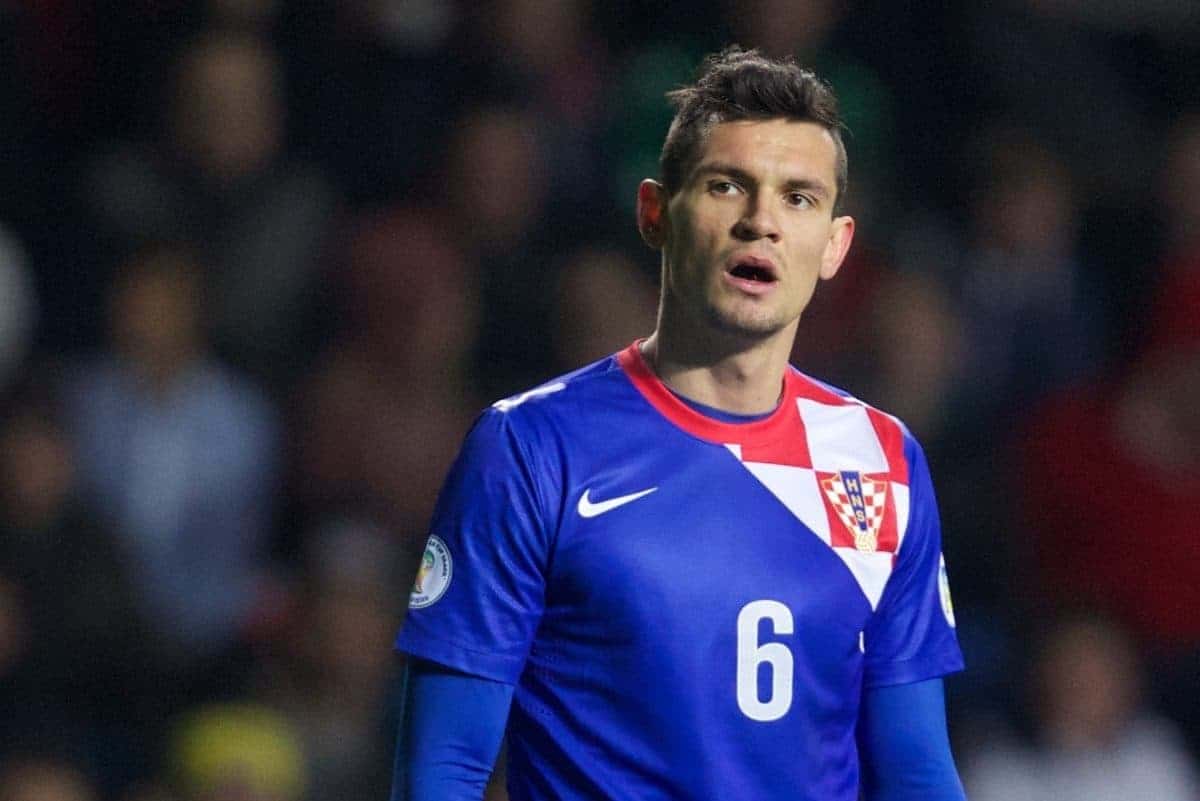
{"x": 751, "y": 228}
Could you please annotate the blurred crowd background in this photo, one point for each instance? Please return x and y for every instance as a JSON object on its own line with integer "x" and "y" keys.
{"x": 263, "y": 261}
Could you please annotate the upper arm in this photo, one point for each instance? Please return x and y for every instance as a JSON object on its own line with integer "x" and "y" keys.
{"x": 482, "y": 581}
{"x": 911, "y": 636}
{"x": 910, "y": 643}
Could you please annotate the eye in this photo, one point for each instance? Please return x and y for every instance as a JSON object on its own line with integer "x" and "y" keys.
{"x": 723, "y": 187}
{"x": 799, "y": 200}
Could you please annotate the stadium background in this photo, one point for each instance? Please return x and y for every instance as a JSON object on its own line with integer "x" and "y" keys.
{"x": 262, "y": 262}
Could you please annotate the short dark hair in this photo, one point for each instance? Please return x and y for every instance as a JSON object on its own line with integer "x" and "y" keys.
{"x": 736, "y": 84}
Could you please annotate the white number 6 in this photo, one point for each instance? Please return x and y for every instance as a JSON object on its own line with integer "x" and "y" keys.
{"x": 750, "y": 655}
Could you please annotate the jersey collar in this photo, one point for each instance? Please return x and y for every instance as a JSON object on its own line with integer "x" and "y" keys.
{"x": 783, "y": 421}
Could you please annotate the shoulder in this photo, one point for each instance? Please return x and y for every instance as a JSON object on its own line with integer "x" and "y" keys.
{"x": 560, "y": 400}
{"x": 819, "y": 391}
{"x": 515, "y": 455}
{"x": 837, "y": 410}
{"x": 532, "y": 427}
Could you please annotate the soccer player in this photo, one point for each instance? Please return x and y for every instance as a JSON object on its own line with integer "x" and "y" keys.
{"x": 689, "y": 571}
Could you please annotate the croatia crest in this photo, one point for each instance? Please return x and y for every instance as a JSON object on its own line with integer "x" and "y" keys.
{"x": 859, "y": 502}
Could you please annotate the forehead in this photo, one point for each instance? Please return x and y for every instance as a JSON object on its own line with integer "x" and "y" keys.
{"x": 771, "y": 145}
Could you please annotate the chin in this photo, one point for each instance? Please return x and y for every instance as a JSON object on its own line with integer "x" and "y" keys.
{"x": 750, "y": 324}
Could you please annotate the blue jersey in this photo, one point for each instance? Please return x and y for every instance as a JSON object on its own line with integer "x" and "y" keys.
{"x": 687, "y": 608}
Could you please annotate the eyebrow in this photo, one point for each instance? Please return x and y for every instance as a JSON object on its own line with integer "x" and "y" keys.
{"x": 814, "y": 185}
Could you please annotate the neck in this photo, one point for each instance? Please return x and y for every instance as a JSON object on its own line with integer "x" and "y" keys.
{"x": 732, "y": 374}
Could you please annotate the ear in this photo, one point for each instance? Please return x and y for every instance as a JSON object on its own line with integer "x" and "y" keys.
{"x": 841, "y": 234}
{"x": 651, "y": 213}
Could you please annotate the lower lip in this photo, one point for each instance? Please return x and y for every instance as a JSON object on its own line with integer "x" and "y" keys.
{"x": 748, "y": 286}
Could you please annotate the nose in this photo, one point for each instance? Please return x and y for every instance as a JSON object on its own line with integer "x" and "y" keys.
{"x": 757, "y": 222}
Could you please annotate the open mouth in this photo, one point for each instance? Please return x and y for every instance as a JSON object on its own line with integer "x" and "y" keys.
{"x": 756, "y": 270}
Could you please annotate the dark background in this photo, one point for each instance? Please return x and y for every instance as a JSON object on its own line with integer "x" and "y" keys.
{"x": 262, "y": 262}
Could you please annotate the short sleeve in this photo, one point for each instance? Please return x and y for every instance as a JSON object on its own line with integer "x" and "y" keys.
{"x": 911, "y": 635}
{"x": 479, "y": 590}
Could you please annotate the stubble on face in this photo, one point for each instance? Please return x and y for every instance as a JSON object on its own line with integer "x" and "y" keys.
{"x": 695, "y": 289}
{"x": 720, "y": 215}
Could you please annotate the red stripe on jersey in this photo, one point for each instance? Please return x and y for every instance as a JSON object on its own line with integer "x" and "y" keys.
{"x": 777, "y": 439}
{"x": 891, "y": 439}
{"x": 889, "y": 536}
{"x": 810, "y": 390}
{"x": 788, "y": 447}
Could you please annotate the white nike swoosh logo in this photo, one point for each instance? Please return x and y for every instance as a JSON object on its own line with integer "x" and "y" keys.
{"x": 589, "y": 509}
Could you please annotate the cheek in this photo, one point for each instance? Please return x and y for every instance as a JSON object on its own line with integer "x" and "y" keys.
{"x": 802, "y": 282}
{"x": 813, "y": 247}
{"x": 702, "y": 243}
{"x": 682, "y": 248}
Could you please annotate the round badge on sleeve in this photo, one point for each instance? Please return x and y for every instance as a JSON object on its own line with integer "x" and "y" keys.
{"x": 433, "y": 576}
{"x": 944, "y": 592}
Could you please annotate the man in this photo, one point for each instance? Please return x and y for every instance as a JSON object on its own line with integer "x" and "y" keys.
{"x": 688, "y": 571}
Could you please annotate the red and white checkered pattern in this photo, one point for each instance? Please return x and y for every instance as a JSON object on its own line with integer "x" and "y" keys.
{"x": 874, "y": 495}
{"x": 834, "y": 435}
{"x": 815, "y": 434}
